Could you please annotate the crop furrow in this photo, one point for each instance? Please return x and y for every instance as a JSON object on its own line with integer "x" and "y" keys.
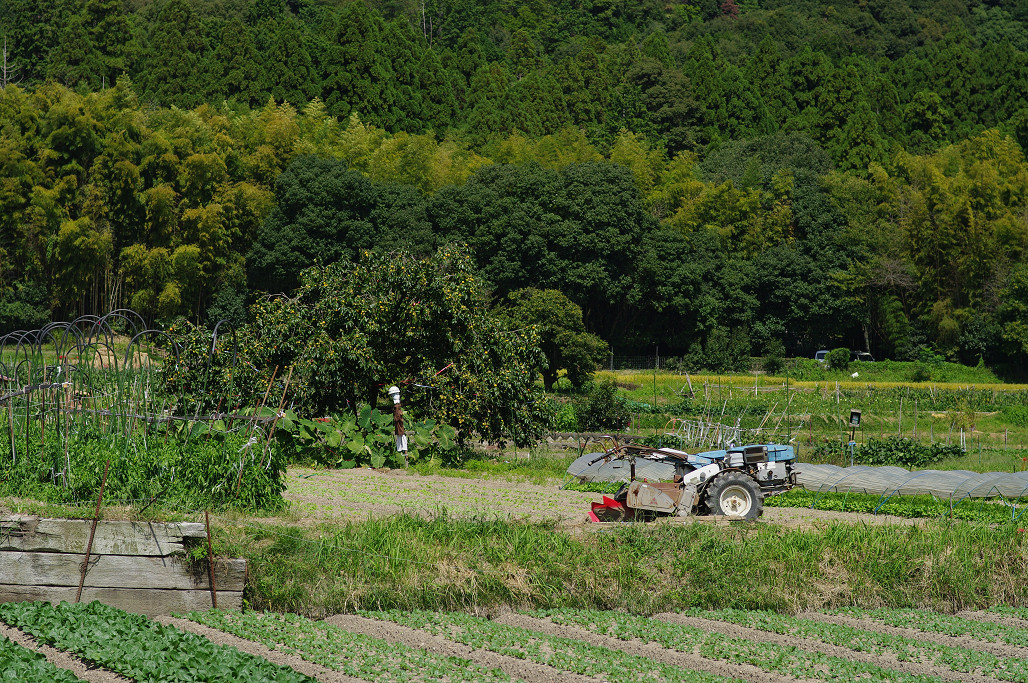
{"x": 565, "y": 654}
{"x": 933, "y": 622}
{"x": 141, "y": 649}
{"x": 771, "y": 657}
{"x": 905, "y": 648}
{"x": 21, "y": 664}
{"x": 353, "y": 654}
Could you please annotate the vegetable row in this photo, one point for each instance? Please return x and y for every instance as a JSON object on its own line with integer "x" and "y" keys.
{"x": 139, "y": 648}
{"x": 353, "y": 654}
{"x": 785, "y": 660}
{"x": 946, "y": 624}
{"x": 20, "y": 664}
{"x": 902, "y": 647}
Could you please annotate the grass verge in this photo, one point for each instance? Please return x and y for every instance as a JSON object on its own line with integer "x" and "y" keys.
{"x": 406, "y": 562}
{"x": 912, "y": 507}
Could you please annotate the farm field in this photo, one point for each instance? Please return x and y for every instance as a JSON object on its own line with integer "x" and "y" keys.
{"x": 479, "y": 567}
{"x": 990, "y": 417}
{"x": 323, "y": 496}
{"x": 544, "y": 646}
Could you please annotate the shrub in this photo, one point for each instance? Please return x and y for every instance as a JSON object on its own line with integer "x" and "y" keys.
{"x": 773, "y": 365}
{"x": 838, "y": 359}
{"x": 920, "y": 373}
{"x": 904, "y": 452}
{"x": 604, "y": 409}
{"x": 774, "y": 356}
{"x": 565, "y": 418}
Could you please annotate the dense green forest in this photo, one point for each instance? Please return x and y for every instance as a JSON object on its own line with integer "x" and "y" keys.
{"x": 716, "y": 178}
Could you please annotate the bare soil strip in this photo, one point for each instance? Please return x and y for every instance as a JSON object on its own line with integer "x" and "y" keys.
{"x": 998, "y": 649}
{"x": 512, "y": 666}
{"x": 315, "y": 671}
{"x": 332, "y": 495}
{"x": 994, "y": 618}
{"x": 61, "y": 659}
{"x": 651, "y": 651}
{"x": 811, "y": 645}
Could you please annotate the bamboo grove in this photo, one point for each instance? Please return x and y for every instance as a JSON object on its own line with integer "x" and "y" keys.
{"x": 714, "y": 178}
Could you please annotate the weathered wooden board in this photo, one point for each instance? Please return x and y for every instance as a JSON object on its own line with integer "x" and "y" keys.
{"x": 140, "y": 601}
{"x": 117, "y": 571}
{"x": 23, "y": 532}
{"x": 136, "y": 566}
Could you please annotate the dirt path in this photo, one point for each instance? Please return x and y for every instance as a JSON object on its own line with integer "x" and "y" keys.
{"x": 332, "y": 495}
{"x": 812, "y": 645}
{"x": 315, "y": 671}
{"x": 651, "y": 651}
{"x": 998, "y": 649}
{"x": 512, "y": 666}
{"x": 61, "y": 659}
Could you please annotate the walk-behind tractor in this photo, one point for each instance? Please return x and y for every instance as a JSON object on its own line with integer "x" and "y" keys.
{"x": 665, "y": 481}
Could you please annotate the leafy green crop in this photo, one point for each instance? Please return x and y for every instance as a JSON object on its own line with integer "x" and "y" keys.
{"x": 346, "y": 440}
{"x": 933, "y": 622}
{"x": 908, "y": 649}
{"x": 608, "y": 487}
{"x": 25, "y": 666}
{"x": 904, "y": 452}
{"x": 216, "y": 469}
{"x": 1007, "y": 611}
{"x": 139, "y": 648}
{"x": 562, "y": 653}
{"x": 785, "y": 660}
{"x": 353, "y": 654}
{"x": 968, "y": 509}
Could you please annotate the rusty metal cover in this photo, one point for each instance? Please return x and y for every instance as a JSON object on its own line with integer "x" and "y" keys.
{"x": 655, "y": 496}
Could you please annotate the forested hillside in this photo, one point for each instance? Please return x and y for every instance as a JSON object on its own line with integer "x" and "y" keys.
{"x": 714, "y": 177}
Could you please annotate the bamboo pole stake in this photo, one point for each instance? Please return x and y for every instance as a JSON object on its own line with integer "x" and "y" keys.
{"x": 264, "y": 400}
{"x": 210, "y": 560}
{"x": 900, "y": 418}
{"x": 92, "y": 532}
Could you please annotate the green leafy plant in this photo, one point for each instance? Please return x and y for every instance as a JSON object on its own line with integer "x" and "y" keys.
{"x": 199, "y": 467}
{"x": 565, "y": 654}
{"x": 838, "y": 359}
{"x": 564, "y": 418}
{"x": 604, "y": 409}
{"x": 922, "y": 506}
{"x": 903, "y": 647}
{"x": 780, "y": 659}
{"x": 25, "y": 666}
{"x": 139, "y": 648}
{"x": 904, "y": 452}
{"x": 347, "y": 440}
{"x": 353, "y": 654}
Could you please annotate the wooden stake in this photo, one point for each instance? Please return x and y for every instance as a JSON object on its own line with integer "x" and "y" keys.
{"x": 92, "y": 532}
{"x": 210, "y": 560}
{"x": 264, "y": 400}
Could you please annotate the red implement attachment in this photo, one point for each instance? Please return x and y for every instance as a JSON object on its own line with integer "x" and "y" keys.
{"x": 610, "y": 510}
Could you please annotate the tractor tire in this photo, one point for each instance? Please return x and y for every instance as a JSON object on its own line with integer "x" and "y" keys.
{"x": 735, "y": 495}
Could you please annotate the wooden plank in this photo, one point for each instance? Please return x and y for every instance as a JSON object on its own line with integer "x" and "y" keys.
{"x": 118, "y": 571}
{"x": 23, "y": 532}
{"x": 140, "y": 601}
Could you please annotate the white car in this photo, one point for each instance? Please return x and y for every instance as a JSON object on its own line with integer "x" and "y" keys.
{"x": 821, "y": 355}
